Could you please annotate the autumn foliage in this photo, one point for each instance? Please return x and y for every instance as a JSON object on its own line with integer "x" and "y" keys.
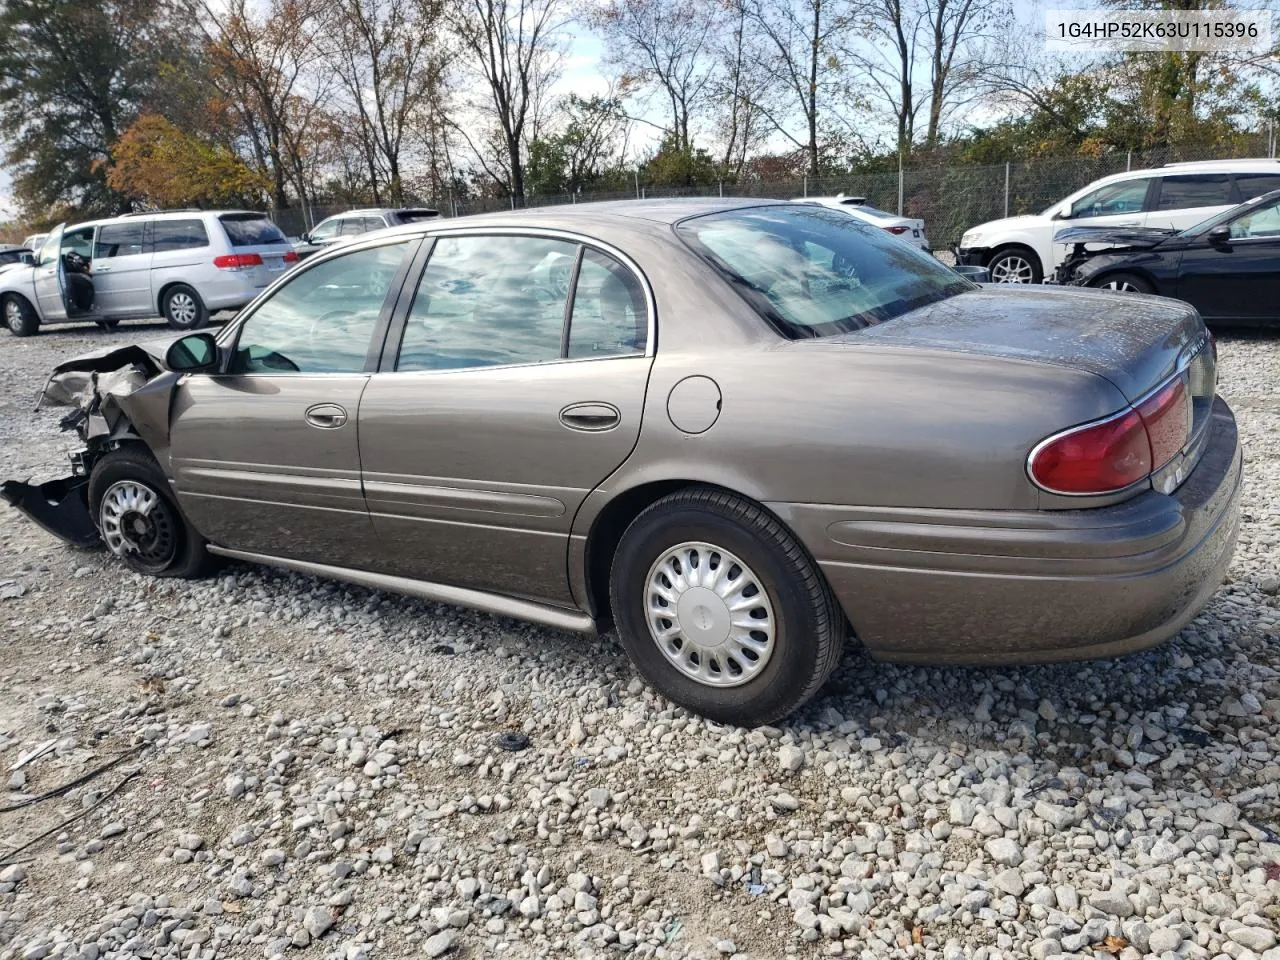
{"x": 160, "y": 165}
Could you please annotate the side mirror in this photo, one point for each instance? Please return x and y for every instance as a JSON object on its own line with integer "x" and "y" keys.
{"x": 305, "y": 238}
{"x": 194, "y": 353}
{"x": 1219, "y": 236}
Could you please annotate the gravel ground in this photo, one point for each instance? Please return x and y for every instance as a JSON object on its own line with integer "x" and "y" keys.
{"x": 319, "y": 770}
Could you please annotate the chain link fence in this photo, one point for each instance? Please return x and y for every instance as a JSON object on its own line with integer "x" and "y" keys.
{"x": 949, "y": 198}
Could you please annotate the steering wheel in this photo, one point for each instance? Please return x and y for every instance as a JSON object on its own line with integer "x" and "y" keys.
{"x": 844, "y": 266}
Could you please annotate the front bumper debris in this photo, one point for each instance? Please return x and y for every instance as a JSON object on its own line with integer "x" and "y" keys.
{"x": 59, "y": 506}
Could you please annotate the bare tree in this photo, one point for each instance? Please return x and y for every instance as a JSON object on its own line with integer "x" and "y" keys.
{"x": 262, "y": 66}
{"x": 740, "y": 91}
{"x": 663, "y": 45}
{"x": 514, "y": 48}
{"x": 929, "y": 55}
{"x": 387, "y": 58}
{"x": 805, "y": 40}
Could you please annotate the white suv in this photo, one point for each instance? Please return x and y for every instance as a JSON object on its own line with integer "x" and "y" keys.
{"x": 1178, "y": 195}
{"x": 182, "y": 265}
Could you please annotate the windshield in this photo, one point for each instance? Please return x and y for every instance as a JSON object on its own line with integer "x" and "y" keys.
{"x": 814, "y": 272}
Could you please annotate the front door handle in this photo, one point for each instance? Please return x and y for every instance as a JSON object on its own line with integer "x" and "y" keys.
{"x": 326, "y": 416}
{"x": 590, "y": 417}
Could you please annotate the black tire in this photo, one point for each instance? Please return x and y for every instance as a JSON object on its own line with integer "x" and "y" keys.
{"x": 164, "y": 544}
{"x": 808, "y": 624}
{"x": 183, "y": 309}
{"x": 1015, "y": 260}
{"x": 109, "y": 325}
{"x": 1123, "y": 283}
{"x": 19, "y": 316}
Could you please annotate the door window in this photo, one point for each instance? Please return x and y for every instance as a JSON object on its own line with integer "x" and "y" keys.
{"x": 1194, "y": 190}
{"x": 353, "y": 226}
{"x": 1261, "y": 222}
{"x": 327, "y": 230}
{"x": 323, "y": 319}
{"x": 1256, "y": 184}
{"x": 373, "y": 223}
{"x": 119, "y": 240}
{"x": 178, "y": 235}
{"x": 1125, "y": 197}
{"x": 485, "y": 301}
{"x": 49, "y": 251}
{"x": 79, "y": 241}
{"x": 609, "y": 316}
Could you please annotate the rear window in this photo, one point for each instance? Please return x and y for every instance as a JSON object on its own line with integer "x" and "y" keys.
{"x": 251, "y": 231}
{"x": 1256, "y": 184}
{"x": 413, "y": 216}
{"x": 813, "y": 272}
{"x": 178, "y": 235}
{"x": 876, "y": 212}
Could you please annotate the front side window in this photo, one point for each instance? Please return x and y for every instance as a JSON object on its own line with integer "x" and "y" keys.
{"x": 327, "y": 230}
{"x": 50, "y": 249}
{"x": 486, "y": 300}
{"x": 119, "y": 240}
{"x": 609, "y": 316}
{"x": 178, "y": 235}
{"x": 1263, "y": 221}
{"x": 373, "y": 223}
{"x": 1125, "y": 197}
{"x": 813, "y": 272}
{"x": 323, "y": 319}
{"x": 1190, "y": 191}
{"x": 353, "y": 226}
{"x": 79, "y": 241}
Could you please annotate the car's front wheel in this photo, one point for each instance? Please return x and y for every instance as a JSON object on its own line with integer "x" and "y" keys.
{"x": 20, "y": 317}
{"x": 722, "y": 610}
{"x": 1015, "y": 265}
{"x": 1123, "y": 283}
{"x": 183, "y": 309}
{"x": 132, "y": 503}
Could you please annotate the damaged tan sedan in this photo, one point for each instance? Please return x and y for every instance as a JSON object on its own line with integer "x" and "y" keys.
{"x": 737, "y": 430}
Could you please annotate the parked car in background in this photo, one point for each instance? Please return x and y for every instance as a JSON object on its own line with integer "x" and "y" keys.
{"x": 1227, "y": 267}
{"x": 182, "y": 265}
{"x": 975, "y": 474}
{"x": 35, "y": 241}
{"x": 11, "y": 254}
{"x": 353, "y": 223}
{"x": 904, "y": 228}
{"x": 1175, "y": 196}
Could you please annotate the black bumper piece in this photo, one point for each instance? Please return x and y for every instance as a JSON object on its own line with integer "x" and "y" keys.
{"x": 59, "y": 506}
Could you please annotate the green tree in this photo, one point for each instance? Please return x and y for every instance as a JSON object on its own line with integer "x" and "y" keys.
{"x": 73, "y": 75}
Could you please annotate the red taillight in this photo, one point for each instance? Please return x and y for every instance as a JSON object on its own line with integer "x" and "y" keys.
{"x": 237, "y": 261}
{"x": 291, "y": 256}
{"x": 1115, "y": 453}
{"x": 897, "y": 230}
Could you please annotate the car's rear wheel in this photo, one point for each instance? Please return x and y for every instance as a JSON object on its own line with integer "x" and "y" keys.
{"x": 1015, "y": 265}
{"x": 1123, "y": 283}
{"x": 183, "y": 309}
{"x": 138, "y": 519}
{"x": 722, "y": 610}
{"x": 20, "y": 317}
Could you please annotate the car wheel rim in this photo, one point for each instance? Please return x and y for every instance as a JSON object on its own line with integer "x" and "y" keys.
{"x": 136, "y": 522}
{"x": 1124, "y": 286}
{"x": 709, "y": 614}
{"x": 12, "y": 315}
{"x": 182, "y": 309}
{"x": 1011, "y": 270}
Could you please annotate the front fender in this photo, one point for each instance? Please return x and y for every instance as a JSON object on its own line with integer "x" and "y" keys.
{"x": 1095, "y": 268}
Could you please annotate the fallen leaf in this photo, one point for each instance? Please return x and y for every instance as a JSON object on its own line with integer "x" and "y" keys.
{"x": 230, "y": 906}
{"x": 1272, "y": 870}
{"x": 917, "y": 935}
{"x": 1112, "y": 945}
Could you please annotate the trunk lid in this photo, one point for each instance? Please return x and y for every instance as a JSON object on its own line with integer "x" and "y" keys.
{"x": 1136, "y": 342}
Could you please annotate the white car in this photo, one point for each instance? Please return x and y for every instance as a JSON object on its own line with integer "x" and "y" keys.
{"x": 182, "y": 265}
{"x": 1175, "y": 196}
{"x": 904, "y": 228}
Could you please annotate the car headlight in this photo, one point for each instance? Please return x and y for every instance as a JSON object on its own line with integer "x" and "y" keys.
{"x": 970, "y": 239}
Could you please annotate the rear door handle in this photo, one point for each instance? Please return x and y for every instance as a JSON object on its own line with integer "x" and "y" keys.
{"x": 326, "y": 416}
{"x": 590, "y": 417}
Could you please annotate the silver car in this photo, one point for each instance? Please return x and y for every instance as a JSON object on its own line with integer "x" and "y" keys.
{"x": 907, "y": 229}
{"x": 182, "y": 265}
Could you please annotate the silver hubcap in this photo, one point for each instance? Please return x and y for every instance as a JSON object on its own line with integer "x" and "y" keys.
{"x": 709, "y": 614}
{"x": 131, "y": 523}
{"x": 1124, "y": 286}
{"x": 12, "y": 314}
{"x": 1012, "y": 269}
{"x": 182, "y": 308}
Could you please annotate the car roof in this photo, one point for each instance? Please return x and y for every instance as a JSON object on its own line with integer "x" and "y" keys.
{"x": 10, "y": 247}
{"x": 1202, "y": 166}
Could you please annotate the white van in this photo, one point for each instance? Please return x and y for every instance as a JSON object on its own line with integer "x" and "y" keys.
{"x": 182, "y": 265}
{"x": 1177, "y": 196}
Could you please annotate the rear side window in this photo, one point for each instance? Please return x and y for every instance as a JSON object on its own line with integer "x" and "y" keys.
{"x": 119, "y": 240}
{"x": 353, "y": 226}
{"x": 251, "y": 231}
{"x": 373, "y": 223}
{"x": 178, "y": 235}
{"x": 814, "y": 272}
{"x": 487, "y": 301}
{"x": 1256, "y": 184}
{"x": 609, "y": 317}
{"x": 1194, "y": 190}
